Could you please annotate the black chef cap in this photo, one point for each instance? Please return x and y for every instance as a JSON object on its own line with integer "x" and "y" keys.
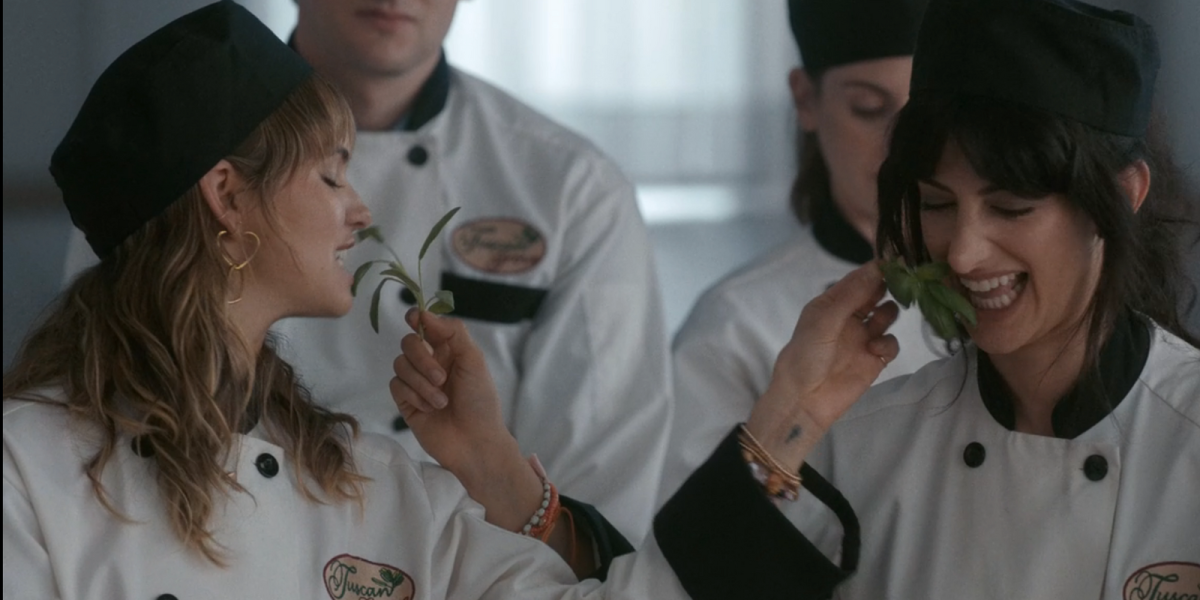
{"x": 838, "y": 32}
{"x": 164, "y": 113}
{"x": 1072, "y": 59}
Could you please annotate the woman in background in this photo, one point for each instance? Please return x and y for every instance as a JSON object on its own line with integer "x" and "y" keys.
{"x": 857, "y": 61}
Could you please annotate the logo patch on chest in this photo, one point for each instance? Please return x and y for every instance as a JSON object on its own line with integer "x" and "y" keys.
{"x": 499, "y": 245}
{"x": 1164, "y": 581}
{"x": 354, "y": 578}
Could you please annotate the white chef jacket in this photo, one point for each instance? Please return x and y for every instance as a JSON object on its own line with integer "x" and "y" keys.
{"x": 418, "y": 536}
{"x": 582, "y": 369}
{"x": 1024, "y": 516}
{"x": 725, "y": 352}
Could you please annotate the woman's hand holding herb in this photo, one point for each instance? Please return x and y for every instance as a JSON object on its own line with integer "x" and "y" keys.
{"x": 838, "y": 348}
{"x": 443, "y": 389}
{"x": 445, "y": 393}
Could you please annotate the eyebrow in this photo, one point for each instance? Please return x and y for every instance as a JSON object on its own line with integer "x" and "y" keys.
{"x": 343, "y": 152}
{"x": 990, "y": 188}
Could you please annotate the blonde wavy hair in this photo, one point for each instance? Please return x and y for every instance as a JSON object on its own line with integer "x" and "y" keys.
{"x": 141, "y": 345}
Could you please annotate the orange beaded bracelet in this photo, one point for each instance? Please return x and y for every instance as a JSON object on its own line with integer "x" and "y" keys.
{"x": 541, "y": 524}
{"x": 777, "y": 481}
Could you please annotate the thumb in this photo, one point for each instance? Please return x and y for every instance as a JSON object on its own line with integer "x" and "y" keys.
{"x": 442, "y": 332}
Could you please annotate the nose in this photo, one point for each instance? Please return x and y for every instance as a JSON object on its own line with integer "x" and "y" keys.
{"x": 358, "y": 216}
{"x": 969, "y": 243}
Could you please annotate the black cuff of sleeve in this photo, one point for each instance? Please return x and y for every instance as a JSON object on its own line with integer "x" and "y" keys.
{"x": 725, "y": 539}
{"x": 609, "y": 542}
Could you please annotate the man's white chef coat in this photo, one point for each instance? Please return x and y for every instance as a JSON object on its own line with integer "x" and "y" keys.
{"x": 725, "y": 352}
{"x": 552, "y": 270}
{"x": 951, "y": 504}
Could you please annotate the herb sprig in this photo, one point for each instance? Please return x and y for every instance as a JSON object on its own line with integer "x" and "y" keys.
{"x": 440, "y": 302}
{"x": 925, "y": 284}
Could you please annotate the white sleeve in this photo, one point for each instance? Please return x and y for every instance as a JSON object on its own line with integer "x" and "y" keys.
{"x": 594, "y": 398}
{"x": 481, "y": 561}
{"x": 715, "y": 389}
{"x": 27, "y": 572}
{"x": 79, "y": 257}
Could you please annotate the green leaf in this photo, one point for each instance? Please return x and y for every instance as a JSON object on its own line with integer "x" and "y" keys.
{"x": 443, "y": 303}
{"x": 954, "y": 302}
{"x": 934, "y": 271}
{"x": 901, "y": 283}
{"x": 400, "y": 274}
{"x": 359, "y": 273}
{"x": 940, "y": 317}
{"x": 433, "y": 233}
{"x": 370, "y": 233}
{"x": 375, "y": 306}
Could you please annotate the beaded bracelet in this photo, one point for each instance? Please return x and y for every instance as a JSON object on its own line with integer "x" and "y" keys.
{"x": 778, "y": 482}
{"x": 541, "y": 524}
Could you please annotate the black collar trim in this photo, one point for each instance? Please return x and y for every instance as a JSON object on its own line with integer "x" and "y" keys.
{"x": 430, "y": 99}
{"x": 1121, "y": 362}
{"x": 835, "y": 234}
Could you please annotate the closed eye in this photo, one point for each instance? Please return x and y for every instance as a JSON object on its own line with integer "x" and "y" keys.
{"x": 1012, "y": 213}
{"x": 934, "y": 206}
{"x": 331, "y": 182}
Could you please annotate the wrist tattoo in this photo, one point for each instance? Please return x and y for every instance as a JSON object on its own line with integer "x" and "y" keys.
{"x": 794, "y": 433}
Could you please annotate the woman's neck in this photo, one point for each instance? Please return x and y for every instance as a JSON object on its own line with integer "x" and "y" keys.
{"x": 251, "y": 323}
{"x": 1039, "y": 376}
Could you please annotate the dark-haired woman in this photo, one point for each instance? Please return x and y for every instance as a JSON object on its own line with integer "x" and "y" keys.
{"x": 857, "y": 61}
{"x": 1058, "y": 455}
{"x": 156, "y": 446}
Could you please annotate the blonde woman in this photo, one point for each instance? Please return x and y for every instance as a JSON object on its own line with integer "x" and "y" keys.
{"x": 156, "y": 446}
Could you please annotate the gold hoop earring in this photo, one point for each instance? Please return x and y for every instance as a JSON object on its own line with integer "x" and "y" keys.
{"x": 234, "y": 266}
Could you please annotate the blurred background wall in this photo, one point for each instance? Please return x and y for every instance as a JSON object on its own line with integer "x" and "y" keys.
{"x": 688, "y": 96}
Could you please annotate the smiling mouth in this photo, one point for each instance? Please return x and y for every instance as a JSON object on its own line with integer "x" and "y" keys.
{"x": 340, "y": 254}
{"x": 996, "y": 293}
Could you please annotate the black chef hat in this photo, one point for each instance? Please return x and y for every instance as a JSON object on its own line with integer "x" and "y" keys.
{"x": 1069, "y": 58}
{"x": 164, "y": 113}
{"x": 837, "y": 32}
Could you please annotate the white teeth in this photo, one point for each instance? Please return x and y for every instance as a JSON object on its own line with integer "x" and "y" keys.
{"x": 1003, "y": 301}
{"x": 986, "y": 285}
{"x": 340, "y": 255}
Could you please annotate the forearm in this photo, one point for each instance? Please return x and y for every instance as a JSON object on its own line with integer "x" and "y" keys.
{"x": 511, "y": 493}
{"x": 786, "y": 431}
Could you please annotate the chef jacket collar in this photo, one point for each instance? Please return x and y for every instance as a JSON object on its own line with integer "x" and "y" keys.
{"x": 836, "y": 235}
{"x": 430, "y": 99}
{"x": 1121, "y": 361}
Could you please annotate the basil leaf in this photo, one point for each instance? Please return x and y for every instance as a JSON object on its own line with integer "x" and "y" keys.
{"x": 901, "y": 283}
{"x": 955, "y": 302}
{"x": 940, "y": 317}
{"x": 934, "y": 271}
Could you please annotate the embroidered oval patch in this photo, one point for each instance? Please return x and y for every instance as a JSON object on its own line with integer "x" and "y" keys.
{"x": 1164, "y": 581}
{"x": 499, "y": 245}
{"x": 352, "y": 577}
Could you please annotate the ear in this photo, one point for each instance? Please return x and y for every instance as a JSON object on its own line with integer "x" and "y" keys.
{"x": 220, "y": 187}
{"x": 804, "y": 97}
{"x": 1135, "y": 182}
